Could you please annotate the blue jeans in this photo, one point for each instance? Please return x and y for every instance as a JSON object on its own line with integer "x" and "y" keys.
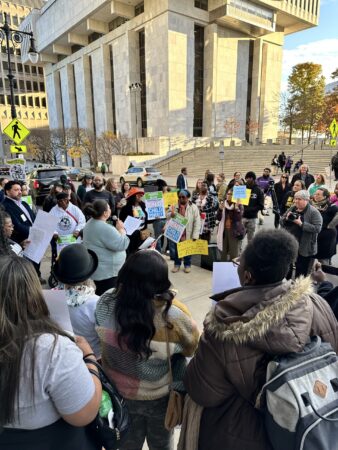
{"x": 174, "y": 256}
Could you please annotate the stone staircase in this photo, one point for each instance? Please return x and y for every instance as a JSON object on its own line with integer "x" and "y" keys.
{"x": 243, "y": 159}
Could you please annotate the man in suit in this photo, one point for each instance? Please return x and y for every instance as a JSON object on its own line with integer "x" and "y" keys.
{"x": 182, "y": 182}
{"x": 21, "y": 214}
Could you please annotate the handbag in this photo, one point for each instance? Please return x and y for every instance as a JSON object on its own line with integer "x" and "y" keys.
{"x": 109, "y": 438}
{"x": 174, "y": 413}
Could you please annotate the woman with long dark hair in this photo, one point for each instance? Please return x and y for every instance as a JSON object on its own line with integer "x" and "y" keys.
{"x": 47, "y": 394}
{"x": 134, "y": 322}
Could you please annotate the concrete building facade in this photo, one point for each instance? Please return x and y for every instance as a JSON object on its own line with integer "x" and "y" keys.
{"x": 29, "y": 83}
{"x": 201, "y": 64}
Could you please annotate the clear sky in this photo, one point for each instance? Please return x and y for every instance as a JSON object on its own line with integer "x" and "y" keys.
{"x": 318, "y": 44}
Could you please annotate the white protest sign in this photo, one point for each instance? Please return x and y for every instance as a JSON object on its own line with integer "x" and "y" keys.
{"x": 175, "y": 228}
{"x": 239, "y": 192}
{"x": 154, "y": 205}
{"x": 132, "y": 224}
{"x": 58, "y": 308}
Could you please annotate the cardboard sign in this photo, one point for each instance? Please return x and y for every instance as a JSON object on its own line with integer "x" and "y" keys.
{"x": 190, "y": 247}
{"x": 170, "y": 198}
{"x": 239, "y": 192}
{"x": 175, "y": 228}
{"x": 154, "y": 205}
{"x": 17, "y": 168}
{"x": 242, "y": 201}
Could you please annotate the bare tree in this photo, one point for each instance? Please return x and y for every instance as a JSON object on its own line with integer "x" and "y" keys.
{"x": 231, "y": 127}
{"x": 109, "y": 144}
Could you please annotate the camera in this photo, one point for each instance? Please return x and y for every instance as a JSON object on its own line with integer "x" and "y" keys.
{"x": 271, "y": 183}
{"x": 293, "y": 216}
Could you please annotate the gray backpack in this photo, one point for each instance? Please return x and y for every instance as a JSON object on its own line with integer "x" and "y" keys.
{"x": 300, "y": 399}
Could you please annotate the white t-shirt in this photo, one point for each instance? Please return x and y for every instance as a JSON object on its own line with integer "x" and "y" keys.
{"x": 62, "y": 383}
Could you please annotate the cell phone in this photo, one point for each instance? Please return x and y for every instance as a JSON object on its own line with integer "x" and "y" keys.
{"x": 330, "y": 269}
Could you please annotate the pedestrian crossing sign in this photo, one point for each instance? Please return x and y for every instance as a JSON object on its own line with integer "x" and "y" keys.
{"x": 18, "y": 148}
{"x": 334, "y": 128}
{"x": 333, "y": 142}
{"x": 16, "y": 131}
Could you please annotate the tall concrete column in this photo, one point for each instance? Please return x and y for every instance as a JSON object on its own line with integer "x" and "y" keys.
{"x": 68, "y": 97}
{"x": 210, "y": 80}
{"x": 53, "y": 91}
{"x": 83, "y": 93}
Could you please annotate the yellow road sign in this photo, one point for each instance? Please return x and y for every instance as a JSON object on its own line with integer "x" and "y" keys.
{"x": 17, "y": 131}
{"x": 333, "y": 142}
{"x": 333, "y": 128}
{"x": 18, "y": 149}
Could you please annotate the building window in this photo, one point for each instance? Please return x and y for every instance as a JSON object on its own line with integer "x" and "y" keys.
{"x": 112, "y": 88}
{"x": 35, "y": 86}
{"x": 5, "y": 65}
{"x": 34, "y": 71}
{"x": 117, "y": 23}
{"x": 27, "y": 69}
{"x": 28, "y": 85}
{"x": 20, "y": 68}
{"x": 1, "y": 83}
{"x": 23, "y": 101}
{"x": 2, "y": 99}
{"x": 249, "y": 91}
{"x": 22, "y": 85}
{"x": 18, "y": 52}
{"x": 198, "y": 81}
{"x": 37, "y": 102}
{"x": 143, "y": 80}
{"x": 6, "y": 83}
{"x": 43, "y": 103}
{"x": 30, "y": 101}
{"x": 42, "y": 87}
{"x": 93, "y": 37}
{"x": 16, "y": 100}
{"x": 139, "y": 9}
{"x": 40, "y": 70}
{"x": 15, "y": 21}
{"x": 201, "y": 4}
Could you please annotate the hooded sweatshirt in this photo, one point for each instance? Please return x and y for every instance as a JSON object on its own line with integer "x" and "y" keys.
{"x": 243, "y": 332}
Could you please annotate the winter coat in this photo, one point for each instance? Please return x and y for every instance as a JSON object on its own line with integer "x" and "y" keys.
{"x": 280, "y": 192}
{"x": 312, "y": 224}
{"x": 256, "y": 203}
{"x": 209, "y": 209}
{"x": 264, "y": 183}
{"x": 246, "y": 329}
{"x": 328, "y": 236}
{"x": 192, "y": 230}
{"x": 309, "y": 179}
{"x": 237, "y": 227}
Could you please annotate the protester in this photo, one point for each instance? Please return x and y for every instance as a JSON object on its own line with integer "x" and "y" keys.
{"x": 265, "y": 182}
{"x": 281, "y": 161}
{"x": 107, "y": 242}
{"x": 135, "y": 207}
{"x": 297, "y": 165}
{"x": 237, "y": 178}
{"x": 182, "y": 181}
{"x": 325, "y": 288}
{"x": 288, "y": 199}
{"x": 134, "y": 323}
{"x": 207, "y": 206}
{"x": 103, "y": 169}
{"x": 334, "y": 165}
{"x": 318, "y": 183}
{"x": 196, "y": 191}
{"x": 41, "y": 365}
{"x": 304, "y": 222}
{"x": 3, "y": 181}
{"x": 328, "y": 235}
{"x": 21, "y": 214}
{"x": 159, "y": 224}
{"x": 334, "y": 197}
{"x": 304, "y": 176}
{"x": 221, "y": 187}
{"x": 274, "y": 165}
{"x": 24, "y": 189}
{"x": 50, "y": 201}
{"x": 288, "y": 164}
{"x": 85, "y": 186}
{"x": 7, "y": 245}
{"x": 190, "y": 211}
{"x": 71, "y": 221}
{"x": 230, "y": 229}
{"x": 268, "y": 316}
{"x": 256, "y": 204}
{"x": 79, "y": 290}
{"x": 210, "y": 181}
{"x": 99, "y": 193}
{"x": 112, "y": 187}
{"x": 73, "y": 197}
{"x": 282, "y": 187}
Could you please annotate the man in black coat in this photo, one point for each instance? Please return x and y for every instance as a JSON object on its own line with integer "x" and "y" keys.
{"x": 182, "y": 182}
{"x": 256, "y": 204}
{"x": 21, "y": 214}
{"x": 303, "y": 175}
{"x": 99, "y": 193}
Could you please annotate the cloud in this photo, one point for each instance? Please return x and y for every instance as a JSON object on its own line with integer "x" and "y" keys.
{"x": 324, "y": 52}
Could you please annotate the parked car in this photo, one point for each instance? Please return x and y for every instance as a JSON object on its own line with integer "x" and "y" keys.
{"x": 77, "y": 173}
{"x": 40, "y": 181}
{"x": 141, "y": 175}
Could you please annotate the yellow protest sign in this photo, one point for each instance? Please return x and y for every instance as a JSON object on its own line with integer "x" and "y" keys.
{"x": 190, "y": 247}
{"x": 243, "y": 201}
{"x": 333, "y": 128}
{"x": 16, "y": 131}
{"x": 170, "y": 198}
{"x": 18, "y": 149}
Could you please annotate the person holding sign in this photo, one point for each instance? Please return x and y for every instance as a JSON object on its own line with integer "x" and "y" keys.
{"x": 231, "y": 229}
{"x": 256, "y": 204}
{"x": 190, "y": 211}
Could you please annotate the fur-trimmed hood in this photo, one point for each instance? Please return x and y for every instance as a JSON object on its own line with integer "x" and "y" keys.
{"x": 273, "y": 317}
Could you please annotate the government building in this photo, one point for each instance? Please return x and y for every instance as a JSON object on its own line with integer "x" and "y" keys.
{"x": 161, "y": 69}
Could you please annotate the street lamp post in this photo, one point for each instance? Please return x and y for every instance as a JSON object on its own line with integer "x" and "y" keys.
{"x": 135, "y": 88}
{"x": 16, "y": 37}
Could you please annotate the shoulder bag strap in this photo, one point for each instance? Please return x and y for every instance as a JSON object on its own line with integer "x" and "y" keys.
{"x": 74, "y": 218}
{"x": 168, "y": 357}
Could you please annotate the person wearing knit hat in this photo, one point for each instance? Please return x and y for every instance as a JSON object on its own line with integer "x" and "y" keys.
{"x": 256, "y": 204}
{"x": 304, "y": 222}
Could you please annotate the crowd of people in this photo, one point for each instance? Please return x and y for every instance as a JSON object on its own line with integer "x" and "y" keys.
{"x": 125, "y": 313}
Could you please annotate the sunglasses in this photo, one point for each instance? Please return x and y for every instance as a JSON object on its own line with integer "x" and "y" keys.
{"x": 284, "y": 177}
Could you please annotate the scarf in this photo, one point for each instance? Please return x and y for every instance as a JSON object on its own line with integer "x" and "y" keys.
{"x": 220, "y": 230}
{"x": 77, "y": 295}
{"x": 322, "y": 205}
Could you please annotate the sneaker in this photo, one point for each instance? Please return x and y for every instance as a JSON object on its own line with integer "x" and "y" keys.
{"x": 175, "y": 269}
{"x": 187, "y": 269}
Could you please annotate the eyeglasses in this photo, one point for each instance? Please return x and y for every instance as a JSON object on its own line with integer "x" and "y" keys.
{"x": 284, "y": 177}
